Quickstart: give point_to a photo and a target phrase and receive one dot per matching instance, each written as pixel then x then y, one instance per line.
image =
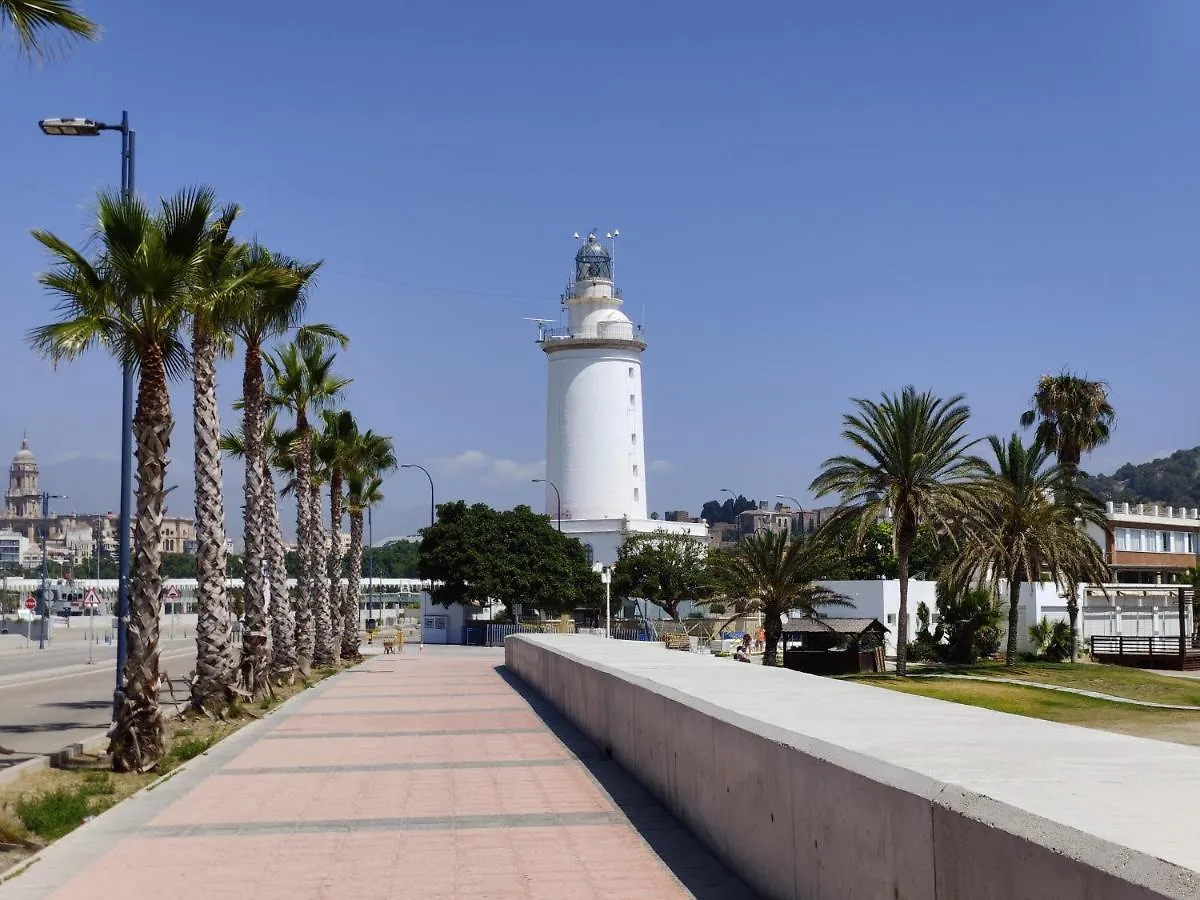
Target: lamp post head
pixel 76 127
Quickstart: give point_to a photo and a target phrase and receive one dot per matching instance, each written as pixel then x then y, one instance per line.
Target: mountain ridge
pixel 1170 480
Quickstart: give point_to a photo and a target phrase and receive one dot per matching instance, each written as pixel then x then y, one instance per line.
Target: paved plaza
pixel 429 774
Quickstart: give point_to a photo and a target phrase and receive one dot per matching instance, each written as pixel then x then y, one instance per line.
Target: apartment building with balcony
pixel 1148 543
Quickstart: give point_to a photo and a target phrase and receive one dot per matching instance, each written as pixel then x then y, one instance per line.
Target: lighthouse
pixel 595 438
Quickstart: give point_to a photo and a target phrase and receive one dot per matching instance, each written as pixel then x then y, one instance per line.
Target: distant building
pixel 679 515
pixel 70 537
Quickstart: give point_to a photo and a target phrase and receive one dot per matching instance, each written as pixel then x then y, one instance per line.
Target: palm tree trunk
pixel 353 587
pixel 255 651
pixel 774 630
pixel 336 610
pixel 305 584
pixel 212 685
pixel 318 554
pixel 905 536
pixel 1014 603
pixel 138 738
pixel 1073 616
pixel 283 620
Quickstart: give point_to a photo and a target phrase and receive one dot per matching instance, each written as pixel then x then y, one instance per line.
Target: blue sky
pixel 816 201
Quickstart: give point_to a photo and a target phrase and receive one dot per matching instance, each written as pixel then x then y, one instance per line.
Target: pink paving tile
pixel 488 863
pixel 330 796
pixel 384 749
pixel 383 724
pixel 334 703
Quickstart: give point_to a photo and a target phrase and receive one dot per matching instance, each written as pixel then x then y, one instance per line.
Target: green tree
pixel 1024 529
pixel 132 301
pixel 714 511
pixel 666 570
pixel 772 574
pixel 302 381
pixel 35 20
pixel 1072 417
pixel 515 556
pixel 396 559
pixel 913 464
pixel 371 456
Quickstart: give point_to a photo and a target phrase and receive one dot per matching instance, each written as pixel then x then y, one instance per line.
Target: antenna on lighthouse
pixel 612 236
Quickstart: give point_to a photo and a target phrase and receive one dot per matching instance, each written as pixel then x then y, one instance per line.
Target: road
pixel 50 698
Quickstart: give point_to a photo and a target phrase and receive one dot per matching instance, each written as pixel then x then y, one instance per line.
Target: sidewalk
pixel 428 775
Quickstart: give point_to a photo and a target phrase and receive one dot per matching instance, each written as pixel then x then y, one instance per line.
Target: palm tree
pixel 914 467
pixel 33 20
pixel 1024 528
pixel 370 457
pixel 132 301
pixel 219 279
pixel 280 612
pixel 272 304
pixel 772 574
pixel 302 380
pixel 325 647
pixel 1073 417
pixel 333 446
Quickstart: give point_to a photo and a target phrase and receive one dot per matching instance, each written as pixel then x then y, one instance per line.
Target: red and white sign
pixel 172 592
pixel 91 599
pixel 30 603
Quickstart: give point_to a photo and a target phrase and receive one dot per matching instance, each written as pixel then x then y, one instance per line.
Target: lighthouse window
pixel 635 493
pixel 635 469
pixel 633 438
pixel 632 400
pixel 631 371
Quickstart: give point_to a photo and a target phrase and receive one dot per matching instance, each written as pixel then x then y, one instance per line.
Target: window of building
pixel 632 400
pixel 1122 538
pixel 1190 543
pixel 633 438
pixel 636 492
pixel 591 554
pixel 635 470
pixel 631 371
pixel 1166 541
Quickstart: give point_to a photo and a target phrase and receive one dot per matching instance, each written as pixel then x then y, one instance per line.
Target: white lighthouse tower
pixel 595 442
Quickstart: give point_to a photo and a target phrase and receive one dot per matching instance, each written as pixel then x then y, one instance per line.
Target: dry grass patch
pixel 39 808
pixel 1178 726
pixel 1134 684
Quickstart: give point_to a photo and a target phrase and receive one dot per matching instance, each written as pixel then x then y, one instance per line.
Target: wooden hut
pixel 834 646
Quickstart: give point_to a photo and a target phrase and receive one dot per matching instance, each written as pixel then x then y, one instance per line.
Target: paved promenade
pixel 427 775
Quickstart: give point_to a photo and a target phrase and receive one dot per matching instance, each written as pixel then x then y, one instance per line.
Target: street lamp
pixel 556 494
pixel 432 513
pixel 46 498
pixel 799 507
pixel 371 567
pixel 89 128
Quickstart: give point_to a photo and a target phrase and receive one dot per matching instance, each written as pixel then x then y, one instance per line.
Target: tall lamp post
pixel 90 128
pixel 46 498
pixel 557 495
pixel 432 508
pixel 371 568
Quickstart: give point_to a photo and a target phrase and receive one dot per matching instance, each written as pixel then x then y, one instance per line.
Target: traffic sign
pixel 30 603
pixel 172 592
pixel 91 599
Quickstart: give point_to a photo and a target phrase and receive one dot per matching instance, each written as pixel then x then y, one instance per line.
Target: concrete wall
pixel 813 788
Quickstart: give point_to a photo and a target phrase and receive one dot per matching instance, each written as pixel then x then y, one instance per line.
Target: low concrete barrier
pixel 814 788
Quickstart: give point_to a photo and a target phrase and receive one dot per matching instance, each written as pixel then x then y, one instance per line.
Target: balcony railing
pixel 606 331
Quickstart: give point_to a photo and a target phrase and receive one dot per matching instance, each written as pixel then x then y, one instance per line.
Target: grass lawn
pixel 1178 726
pixel 39 808
pixel 1116 680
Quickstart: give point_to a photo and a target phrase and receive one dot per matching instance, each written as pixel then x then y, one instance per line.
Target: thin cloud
pixel 662 465
pixel 490 470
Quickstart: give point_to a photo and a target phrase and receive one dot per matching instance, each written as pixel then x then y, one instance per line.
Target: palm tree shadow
pixel 698 870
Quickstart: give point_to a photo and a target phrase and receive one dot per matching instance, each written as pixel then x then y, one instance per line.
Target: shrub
pixel 1052 640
